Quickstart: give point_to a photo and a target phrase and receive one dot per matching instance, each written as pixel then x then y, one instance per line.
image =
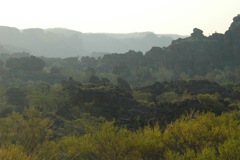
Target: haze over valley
pixel 111 87
pixel 59 42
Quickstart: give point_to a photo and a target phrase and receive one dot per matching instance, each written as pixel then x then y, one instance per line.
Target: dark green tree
pixel 25 63
pixel 123 84
pixel 16 97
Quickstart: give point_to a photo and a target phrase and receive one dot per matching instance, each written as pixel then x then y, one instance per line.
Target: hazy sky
pixel 121 16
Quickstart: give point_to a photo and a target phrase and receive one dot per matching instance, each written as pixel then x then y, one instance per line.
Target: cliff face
pixel 199 54
pixel 232 40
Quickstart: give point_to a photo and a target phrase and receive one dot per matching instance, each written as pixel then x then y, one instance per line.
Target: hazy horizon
pixel 120 33
pixel 106 16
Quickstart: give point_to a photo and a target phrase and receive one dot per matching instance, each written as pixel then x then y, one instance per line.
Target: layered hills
pixel 193 55
pixel 58 42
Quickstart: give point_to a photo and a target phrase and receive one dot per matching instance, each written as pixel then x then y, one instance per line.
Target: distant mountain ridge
pixel 59 42
pixel 193 55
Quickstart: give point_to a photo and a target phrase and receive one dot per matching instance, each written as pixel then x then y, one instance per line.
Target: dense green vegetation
pixel 34 135
pixel 177 102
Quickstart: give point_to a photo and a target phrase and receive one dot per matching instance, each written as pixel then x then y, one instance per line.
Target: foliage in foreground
pixel 30 135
